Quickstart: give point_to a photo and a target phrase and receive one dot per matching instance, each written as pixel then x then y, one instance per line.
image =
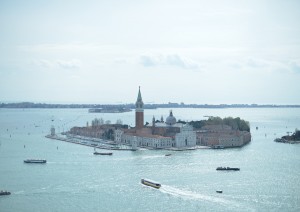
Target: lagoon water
pixel 75 180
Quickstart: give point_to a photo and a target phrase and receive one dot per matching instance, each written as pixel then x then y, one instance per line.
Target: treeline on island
pixel 294 137
pixel 235 123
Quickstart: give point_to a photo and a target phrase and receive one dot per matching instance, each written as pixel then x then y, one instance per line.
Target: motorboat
pixel 150 183
pixel 227 169
pixel 103 153
pixel 219 191
pixel 218 147
pixel 168 154
pixel 2 193
pixel 35 161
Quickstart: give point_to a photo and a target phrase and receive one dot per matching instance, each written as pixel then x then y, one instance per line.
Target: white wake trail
pixel 186 194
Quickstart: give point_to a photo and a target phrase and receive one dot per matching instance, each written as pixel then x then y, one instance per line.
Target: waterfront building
pixel 161 134
pixel 222 135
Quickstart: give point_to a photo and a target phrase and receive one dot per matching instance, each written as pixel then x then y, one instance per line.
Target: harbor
pixel 90 142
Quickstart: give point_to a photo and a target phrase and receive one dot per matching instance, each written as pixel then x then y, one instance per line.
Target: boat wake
pixel 19 192
pixel 152 157
pixel 186 194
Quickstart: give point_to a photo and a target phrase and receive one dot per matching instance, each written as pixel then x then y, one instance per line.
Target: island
pixel 169 133
pixel 290 139
pixel 109 110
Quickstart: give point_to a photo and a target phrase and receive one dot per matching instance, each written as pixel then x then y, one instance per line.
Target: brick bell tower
pixel 139 111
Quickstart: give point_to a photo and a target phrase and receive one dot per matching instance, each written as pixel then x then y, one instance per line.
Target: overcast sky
pixel 177 51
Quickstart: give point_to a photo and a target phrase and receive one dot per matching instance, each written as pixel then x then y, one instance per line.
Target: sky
pixel 192 51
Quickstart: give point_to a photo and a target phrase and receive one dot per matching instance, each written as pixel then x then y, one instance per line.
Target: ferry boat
pixel 227 169
pixel 35 161
pixel 103 153
pixel 2 193
pixel 149 183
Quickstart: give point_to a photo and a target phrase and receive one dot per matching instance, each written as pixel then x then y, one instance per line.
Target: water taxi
pixel 35 161
pixel 2 193
pixel 149 183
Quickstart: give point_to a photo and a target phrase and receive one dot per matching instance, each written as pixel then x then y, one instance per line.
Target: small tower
pixel 134 143
pixel 162 119
pixel 153 125
pixel 139 112
pixel 52 131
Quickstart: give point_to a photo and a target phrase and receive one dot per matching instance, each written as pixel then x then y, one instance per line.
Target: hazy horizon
pixel 196 52
pixel 133 102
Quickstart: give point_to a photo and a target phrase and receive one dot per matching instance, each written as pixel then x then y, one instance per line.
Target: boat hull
pixel 35 161
pixel 2 193
pixel 151 184
pixel 102 153
pixel 227 169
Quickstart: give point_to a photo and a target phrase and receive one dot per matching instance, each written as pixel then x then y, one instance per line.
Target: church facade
pixel 161 135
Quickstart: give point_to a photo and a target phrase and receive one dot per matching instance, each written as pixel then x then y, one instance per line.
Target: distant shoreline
pixel 131 106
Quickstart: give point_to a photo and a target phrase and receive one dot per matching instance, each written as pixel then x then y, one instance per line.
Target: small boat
pixel 219 191
pixel 218 147
pixel 2 193
pixel 168 154
pixel 227 169
pixel 149 183
pixel 35 161
pixel 103 153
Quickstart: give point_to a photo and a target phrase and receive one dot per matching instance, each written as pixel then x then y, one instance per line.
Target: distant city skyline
pixel 196 52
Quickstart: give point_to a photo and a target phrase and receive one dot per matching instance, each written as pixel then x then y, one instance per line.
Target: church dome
pixel 171 119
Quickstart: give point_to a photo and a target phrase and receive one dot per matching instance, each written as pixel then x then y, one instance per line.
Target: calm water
pixel 75 180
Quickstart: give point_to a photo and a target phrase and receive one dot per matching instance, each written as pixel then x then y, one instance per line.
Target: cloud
pixel 256 63
pixel 148 61
pixel 295 66
pixel 168 60
pixel 69 64
pixel 176 60
pixel 51 64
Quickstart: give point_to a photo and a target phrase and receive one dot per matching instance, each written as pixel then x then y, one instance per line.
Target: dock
pixel 90 142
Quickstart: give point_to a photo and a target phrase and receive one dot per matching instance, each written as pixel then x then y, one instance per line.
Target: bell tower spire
pixel 139 111
pixel 139 102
